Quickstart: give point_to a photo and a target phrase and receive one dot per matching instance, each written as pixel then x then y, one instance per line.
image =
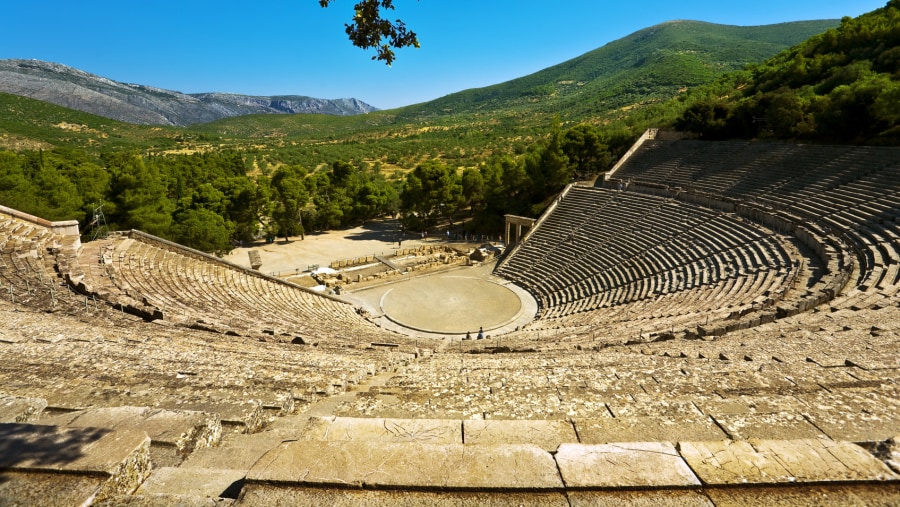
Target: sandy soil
pixel 296 255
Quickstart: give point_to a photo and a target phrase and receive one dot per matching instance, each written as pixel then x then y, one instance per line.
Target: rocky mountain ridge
pixel 133 103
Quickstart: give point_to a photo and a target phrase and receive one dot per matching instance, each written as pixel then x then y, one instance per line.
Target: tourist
pixel 480 333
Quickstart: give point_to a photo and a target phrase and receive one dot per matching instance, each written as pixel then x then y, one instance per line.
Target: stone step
pixel 193 482
pixel 236 451
pixel 20 409
pixel 242 417
pixel 373 461
pixel 51 465
pixel 164 500
pixel 413 465
pixel 772 462
pixel 547 434
pixel 377 429
pixel 340 497
pixel 174 434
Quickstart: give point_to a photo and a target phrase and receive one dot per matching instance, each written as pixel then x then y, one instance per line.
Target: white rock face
pixel 148 105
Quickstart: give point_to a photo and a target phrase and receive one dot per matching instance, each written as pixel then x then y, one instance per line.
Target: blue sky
pixel 295 47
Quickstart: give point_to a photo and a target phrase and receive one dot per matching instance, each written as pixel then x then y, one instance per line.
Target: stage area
pixel 449 304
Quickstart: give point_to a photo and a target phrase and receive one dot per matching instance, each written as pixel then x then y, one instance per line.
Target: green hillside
pixel 461 129
pixel 650 64
pixel 842 86
pixel 33 124
pixel 470 157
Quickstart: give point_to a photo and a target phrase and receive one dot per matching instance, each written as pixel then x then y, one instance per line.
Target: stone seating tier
pixel 245 381
pixel 29 254
pixel 192 290
pixel 838 186
pixel 634 248
pixel 681 367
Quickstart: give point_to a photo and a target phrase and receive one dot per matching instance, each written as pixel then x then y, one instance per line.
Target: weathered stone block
pixel 180 429
pixel 202 482
pixel 633 464
pixel 547 435
pixel 121 458
pixel 19 409
pixel 433 431
pixel 644 428
pixel 782 461
pixel 412 465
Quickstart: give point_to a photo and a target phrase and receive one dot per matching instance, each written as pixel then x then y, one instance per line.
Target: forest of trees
pixel 842 86
pixel 212 201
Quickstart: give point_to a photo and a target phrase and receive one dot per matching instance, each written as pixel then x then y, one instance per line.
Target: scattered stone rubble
pixel 360 272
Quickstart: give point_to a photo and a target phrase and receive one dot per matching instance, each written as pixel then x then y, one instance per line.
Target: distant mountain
pixel 654 63
pixel 627 79
pixel 146 105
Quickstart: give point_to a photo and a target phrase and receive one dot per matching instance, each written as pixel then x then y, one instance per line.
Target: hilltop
pixel 841 86
pixel 649 65
pixel 610 83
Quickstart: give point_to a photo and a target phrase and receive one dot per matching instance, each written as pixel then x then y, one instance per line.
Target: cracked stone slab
pixel 184 430
pixel 647 429
pixel 782 461
pixel 38 447
pixel 741 405
pixel 547 434
pixel 639 498
pixel 415 465
pixel 434 431
pixel 777 425
pixel 631 464
pixel 647 405
pixel 853 416
pixel 33 488
pixel 203 482
pixel 267 494
pixel 237 451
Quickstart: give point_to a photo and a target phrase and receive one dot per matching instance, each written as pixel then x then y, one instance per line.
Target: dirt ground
pixel 440 304
pixel 297 255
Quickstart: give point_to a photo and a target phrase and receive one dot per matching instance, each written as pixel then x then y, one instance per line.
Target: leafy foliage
pixel 481 154
pixel 370 30
pixel 840 86
pixel 432 191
